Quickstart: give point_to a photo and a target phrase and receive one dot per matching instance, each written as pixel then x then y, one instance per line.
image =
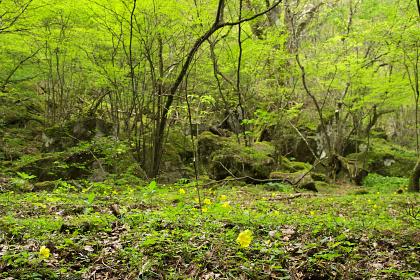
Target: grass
pixel 159 233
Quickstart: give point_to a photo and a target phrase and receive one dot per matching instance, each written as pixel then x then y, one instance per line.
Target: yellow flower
pixel 375 206
pixel 244 238
pixel 312 213
pixel 196 200
pixel 207 201
pixel 204 210
pixel 273 194
pixel 223 197
pixel 44 252
pixel 226 205
pixel 182 191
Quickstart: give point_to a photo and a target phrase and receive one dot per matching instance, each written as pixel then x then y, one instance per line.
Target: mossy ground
pixel 343 232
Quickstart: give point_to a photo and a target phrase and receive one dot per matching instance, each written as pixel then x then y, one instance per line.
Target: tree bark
pixel 413 185
pixel 218 24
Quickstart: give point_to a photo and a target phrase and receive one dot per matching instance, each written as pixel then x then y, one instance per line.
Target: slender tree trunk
pixel 218 24
pixel 413 185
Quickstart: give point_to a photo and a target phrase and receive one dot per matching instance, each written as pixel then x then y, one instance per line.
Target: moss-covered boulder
pixel 177 158
pixel 59 138
pixel 93 160
pixel 224 157
pixel 387 159
pixel 288 142
pixel 54 166
pixel 293 166
pixel 209 143
pixel 300 179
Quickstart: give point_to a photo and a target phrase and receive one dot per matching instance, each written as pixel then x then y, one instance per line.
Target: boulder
pixel 300 179
pixel 209 143
pixel 224 157
pixel 351 170
pixel 59 138
pixel 387 159
pixel 54 166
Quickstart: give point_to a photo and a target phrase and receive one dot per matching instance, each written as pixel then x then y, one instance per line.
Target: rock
pixel 224 157
pixel 351 169
pixel 293 166
pixel 289 143
pixel 177 159
pixel 208 143
pixel 60 165
pixel 300 179
pixel 59 138
pixel 387 159
pixel 44 186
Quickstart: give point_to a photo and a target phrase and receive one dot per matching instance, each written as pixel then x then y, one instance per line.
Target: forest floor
pixel 104 231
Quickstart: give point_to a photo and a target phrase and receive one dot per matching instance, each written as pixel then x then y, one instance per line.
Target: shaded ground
pixel 100 231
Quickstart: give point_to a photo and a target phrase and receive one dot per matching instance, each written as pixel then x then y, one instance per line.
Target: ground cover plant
pixel 103 231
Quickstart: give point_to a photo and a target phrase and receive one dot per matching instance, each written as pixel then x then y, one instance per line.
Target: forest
pixel 209 139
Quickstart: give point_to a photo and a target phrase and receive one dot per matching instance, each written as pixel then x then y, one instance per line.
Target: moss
pixel 289 176
pixel 44 186
pixel 225 157
pixel 387 159
pixel 177 160
pixel 261 149
pixel 319 177
pixel 208 143
pixel 293 166
pixel 240 163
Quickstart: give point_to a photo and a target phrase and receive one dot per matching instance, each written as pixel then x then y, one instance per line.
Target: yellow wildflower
pixel 204 210
pixel 223 197
pixel 226 205
pixel 312 213
pixel 207 201
pixel 244 238
pixel 182 191
pixel 196 200
pixel 44 252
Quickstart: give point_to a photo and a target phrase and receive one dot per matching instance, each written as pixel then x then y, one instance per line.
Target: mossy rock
pixel 320 177
pixel 54 166
pixel 293 166
pixel 301 179
pixel 209 143
pixel 387 159
pixel 288 142
pixel 225 157
pixel 59 138
pixel 44 186
pixel 177 159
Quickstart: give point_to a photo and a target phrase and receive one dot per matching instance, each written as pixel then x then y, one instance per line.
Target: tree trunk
pixel 414 179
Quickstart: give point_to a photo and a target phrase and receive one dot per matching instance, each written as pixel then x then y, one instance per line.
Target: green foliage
pixel 163 224
pixel 377 183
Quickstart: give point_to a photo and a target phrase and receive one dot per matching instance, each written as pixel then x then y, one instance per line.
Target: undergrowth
pixel 106 231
